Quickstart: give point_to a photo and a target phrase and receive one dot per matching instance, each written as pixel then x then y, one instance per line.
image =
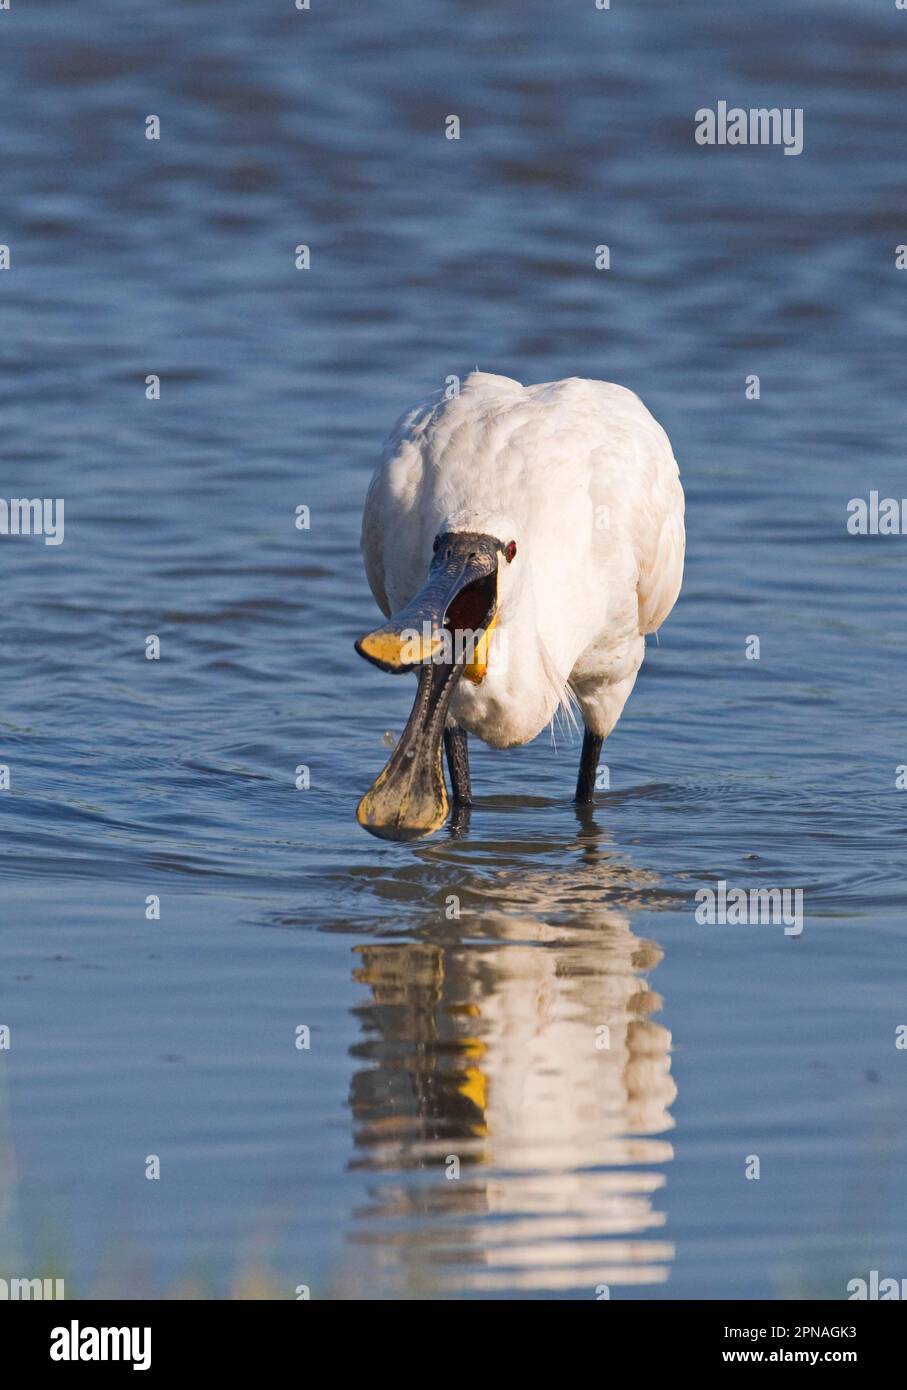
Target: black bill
pixel 438 635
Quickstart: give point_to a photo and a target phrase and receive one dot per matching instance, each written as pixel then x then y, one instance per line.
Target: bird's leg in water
pixel 457 749
pixel 588 766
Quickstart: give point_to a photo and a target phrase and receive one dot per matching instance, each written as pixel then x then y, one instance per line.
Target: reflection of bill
pixel 529 1054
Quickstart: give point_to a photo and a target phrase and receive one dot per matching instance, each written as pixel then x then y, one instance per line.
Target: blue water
pixel 435 1037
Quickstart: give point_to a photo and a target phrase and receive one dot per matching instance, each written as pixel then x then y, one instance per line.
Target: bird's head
pixel 444 633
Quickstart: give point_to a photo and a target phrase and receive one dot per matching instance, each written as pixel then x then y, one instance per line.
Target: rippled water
pixel 478 1037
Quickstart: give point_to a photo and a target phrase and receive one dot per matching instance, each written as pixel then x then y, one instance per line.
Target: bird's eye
pixel 436 542
pixel 510 551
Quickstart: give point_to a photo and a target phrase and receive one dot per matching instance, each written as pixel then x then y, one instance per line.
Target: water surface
pixel 434 1036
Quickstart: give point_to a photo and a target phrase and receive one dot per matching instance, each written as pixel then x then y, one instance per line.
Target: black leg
pixel 457 749
pixel 588 766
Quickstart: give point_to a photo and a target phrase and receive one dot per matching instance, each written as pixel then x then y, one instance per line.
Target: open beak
pixel 443 634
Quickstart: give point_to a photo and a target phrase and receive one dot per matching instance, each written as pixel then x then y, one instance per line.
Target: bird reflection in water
pixel 519 1047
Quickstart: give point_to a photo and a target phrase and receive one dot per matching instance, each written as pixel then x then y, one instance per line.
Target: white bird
pixel 525 540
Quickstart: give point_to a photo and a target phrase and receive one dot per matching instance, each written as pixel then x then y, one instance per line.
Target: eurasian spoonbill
pixel 525 540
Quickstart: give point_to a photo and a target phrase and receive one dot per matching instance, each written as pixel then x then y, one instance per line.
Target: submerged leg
pixel 457 749
pixel 588 766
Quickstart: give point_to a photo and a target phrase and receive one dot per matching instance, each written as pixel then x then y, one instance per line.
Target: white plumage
pixel 583 479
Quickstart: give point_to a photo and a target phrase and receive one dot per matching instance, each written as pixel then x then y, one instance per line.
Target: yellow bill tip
pixel 396 650
pixel 382 815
